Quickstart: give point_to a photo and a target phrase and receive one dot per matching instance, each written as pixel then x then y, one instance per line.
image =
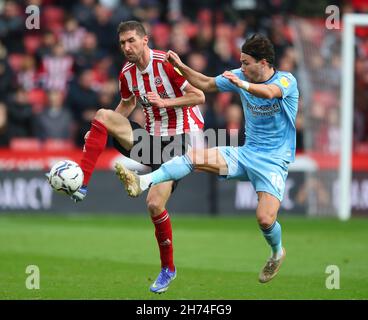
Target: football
pixel 66 176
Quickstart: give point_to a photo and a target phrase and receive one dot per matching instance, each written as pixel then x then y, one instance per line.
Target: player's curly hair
pixel 132 25
pixel 259 47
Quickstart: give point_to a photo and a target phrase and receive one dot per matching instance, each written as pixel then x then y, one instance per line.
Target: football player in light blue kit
pixel 270 103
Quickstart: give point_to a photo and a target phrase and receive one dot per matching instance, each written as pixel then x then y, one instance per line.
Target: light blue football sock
pixel 273 238
pixel 174 169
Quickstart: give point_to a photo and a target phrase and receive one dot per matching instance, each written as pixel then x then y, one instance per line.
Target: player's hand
pixel 233 78
pixel 155 100
pixel 173 58
pixel 86 135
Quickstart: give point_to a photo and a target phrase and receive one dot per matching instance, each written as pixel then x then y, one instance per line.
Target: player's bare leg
pixel 266 214
pixel 117 126
pixel 207 160
pixel 157 198
pixel 105 122
pixel 156 203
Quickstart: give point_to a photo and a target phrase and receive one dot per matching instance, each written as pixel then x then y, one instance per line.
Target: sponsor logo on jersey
pixel 264 110
pixel 284 82
pixel 163 95
pixel 158 82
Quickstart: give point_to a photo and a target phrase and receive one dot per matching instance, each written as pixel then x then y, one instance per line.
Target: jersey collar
pixel 149 66
pixel 274 74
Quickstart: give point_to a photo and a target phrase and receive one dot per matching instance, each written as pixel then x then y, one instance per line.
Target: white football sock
pixel 277 255
pixel 145 181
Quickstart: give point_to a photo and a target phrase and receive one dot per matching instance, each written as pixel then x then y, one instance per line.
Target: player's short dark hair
pixel 259 47
pixel 132 25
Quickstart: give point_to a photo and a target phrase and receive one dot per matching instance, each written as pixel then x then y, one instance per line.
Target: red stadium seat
pixel 58 144
pixel 25 144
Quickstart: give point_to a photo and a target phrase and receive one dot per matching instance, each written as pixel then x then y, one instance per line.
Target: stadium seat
pixel 25 144
pixel 58 144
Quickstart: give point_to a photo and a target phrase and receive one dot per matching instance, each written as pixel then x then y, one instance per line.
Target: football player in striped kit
pixel 169 104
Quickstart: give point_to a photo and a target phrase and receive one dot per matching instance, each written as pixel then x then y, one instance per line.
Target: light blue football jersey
pixel 270 123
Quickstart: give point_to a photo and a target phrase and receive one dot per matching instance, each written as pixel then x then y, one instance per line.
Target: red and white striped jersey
pixel 162 78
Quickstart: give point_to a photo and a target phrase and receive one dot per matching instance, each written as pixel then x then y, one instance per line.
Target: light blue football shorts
pixel 266 173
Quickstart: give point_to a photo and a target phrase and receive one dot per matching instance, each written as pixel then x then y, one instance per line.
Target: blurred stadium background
pixel 53 79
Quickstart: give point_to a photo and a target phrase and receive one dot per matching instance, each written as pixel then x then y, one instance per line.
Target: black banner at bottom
pixel 186 309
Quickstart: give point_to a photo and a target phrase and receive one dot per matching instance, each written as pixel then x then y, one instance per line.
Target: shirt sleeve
pixel 125 93
pixel 224 84
pixel 175 76
pixel 287 84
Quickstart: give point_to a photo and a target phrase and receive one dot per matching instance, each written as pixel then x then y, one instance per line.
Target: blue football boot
pixel 163 280
pixel 80 194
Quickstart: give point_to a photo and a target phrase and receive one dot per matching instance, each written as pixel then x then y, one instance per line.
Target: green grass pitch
pixel 116 257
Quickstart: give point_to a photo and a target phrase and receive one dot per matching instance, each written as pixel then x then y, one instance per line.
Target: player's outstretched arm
pixel 196 79
pixel 266 91
pixel 193 96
